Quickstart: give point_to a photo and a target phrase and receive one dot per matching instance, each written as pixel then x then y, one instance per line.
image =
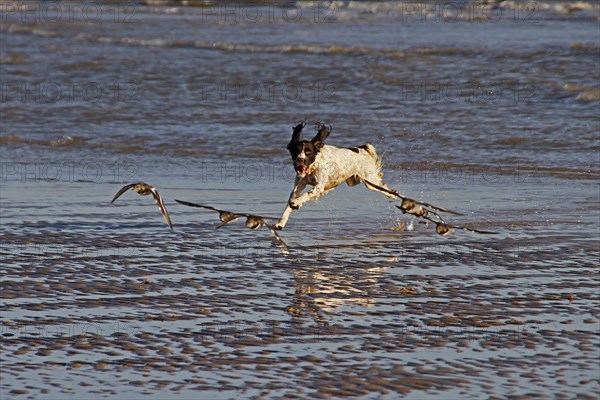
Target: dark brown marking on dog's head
pixel 323 132
pixel 354 149
pixel 304 152
pixel 297 132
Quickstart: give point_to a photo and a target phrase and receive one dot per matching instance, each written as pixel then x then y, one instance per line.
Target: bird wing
pixel 437 208
pixel 257 216
pixel 394 193
pixel 279 239
pixel 430 219
pixel 461 227
pixel 123 190
pixel 161 206
pixel 473 230
pixel 424 204
pixel 187 203
pixel 390 191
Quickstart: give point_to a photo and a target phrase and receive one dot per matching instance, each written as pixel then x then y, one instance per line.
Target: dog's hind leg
pixel 353 180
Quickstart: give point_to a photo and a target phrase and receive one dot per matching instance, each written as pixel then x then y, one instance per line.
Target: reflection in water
pixel 320 291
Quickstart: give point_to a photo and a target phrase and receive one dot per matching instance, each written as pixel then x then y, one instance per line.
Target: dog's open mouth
pixel 301 169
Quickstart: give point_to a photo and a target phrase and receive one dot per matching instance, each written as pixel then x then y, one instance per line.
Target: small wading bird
pixel 224 216
pixel 253 222
pixel 413 207
pixel 144 189
pixel 417 208
pixel 445 229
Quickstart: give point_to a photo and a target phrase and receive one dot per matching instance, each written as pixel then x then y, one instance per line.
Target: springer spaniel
pixel 326 167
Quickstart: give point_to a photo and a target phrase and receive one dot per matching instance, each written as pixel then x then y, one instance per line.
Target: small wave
pixel 184 3
pixel 498 169
pixel 33 29
pixel 135 145
pixel 244 47
pixel 248 47
pixel 461 11
pixel 395 7
pixel 512 141
pixel 10 139
pixel 64 141
pixel 567 7
pixel 287 48
pixel 585 48
pixel 169 10
pixel 13 60
pixel 584 93
pixel 394 53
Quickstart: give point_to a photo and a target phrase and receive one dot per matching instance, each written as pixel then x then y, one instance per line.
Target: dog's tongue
pixel 301 169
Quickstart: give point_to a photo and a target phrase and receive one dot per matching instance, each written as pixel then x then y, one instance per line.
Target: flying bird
pixel 445 229
pixel 256 222
pixel 411 206
pixel 253 221
pixel 145 189
pixel 224 216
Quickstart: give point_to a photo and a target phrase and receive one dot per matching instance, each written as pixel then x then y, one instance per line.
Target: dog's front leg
pixel 312 194
pixel 299 186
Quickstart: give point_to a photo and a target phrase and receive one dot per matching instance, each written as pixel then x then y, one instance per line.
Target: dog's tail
pixel 378 161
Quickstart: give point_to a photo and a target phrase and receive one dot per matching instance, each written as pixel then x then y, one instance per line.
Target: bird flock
pixel 418 209
pixel 253 221
pixel 423 210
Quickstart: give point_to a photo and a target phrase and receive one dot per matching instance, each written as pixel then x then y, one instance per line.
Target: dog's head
pixel 304 152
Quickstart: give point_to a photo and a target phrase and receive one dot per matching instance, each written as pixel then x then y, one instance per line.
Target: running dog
pixel 325 167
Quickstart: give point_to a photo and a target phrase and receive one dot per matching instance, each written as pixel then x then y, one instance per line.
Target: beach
pixel 490 110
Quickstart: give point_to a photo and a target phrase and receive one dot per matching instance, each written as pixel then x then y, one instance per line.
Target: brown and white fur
pixel 324 167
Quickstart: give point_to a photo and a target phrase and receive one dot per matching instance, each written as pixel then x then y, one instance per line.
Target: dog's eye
pixel 307 152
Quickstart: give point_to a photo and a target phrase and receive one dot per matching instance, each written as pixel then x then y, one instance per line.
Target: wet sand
pixel 125 306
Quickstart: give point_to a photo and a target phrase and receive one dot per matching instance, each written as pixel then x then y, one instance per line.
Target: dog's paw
pixel 278 226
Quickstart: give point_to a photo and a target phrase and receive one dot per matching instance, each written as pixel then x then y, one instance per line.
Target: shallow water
pixel 489 112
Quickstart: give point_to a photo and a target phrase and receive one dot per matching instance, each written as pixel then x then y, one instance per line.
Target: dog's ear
pixel 297 132
pixel 323 132
pixel 296 135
